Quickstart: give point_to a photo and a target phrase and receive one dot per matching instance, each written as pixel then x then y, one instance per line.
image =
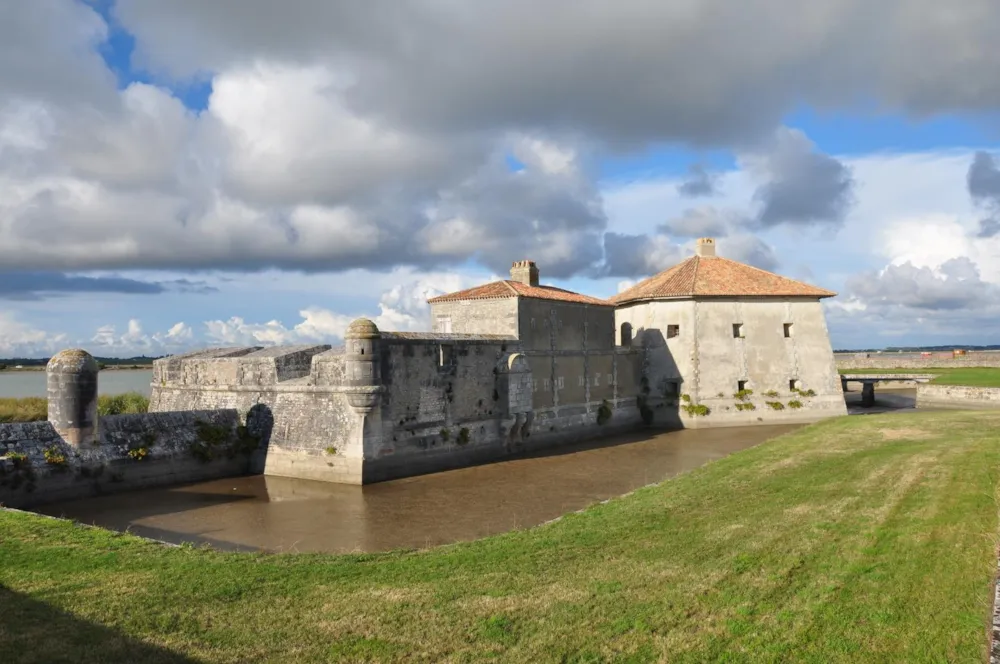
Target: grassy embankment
pixel 869 539
pixel 35 409
pixel 971 376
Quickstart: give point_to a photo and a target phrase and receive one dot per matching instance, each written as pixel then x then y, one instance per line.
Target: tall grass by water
pixel 35 409
pixel 862 539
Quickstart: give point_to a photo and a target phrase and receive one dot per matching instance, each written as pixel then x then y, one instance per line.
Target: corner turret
pixel 71 386
pixel 362 365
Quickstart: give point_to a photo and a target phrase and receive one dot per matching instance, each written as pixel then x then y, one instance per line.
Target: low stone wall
pixel 133 451
pixel 958 397
pixel 756 409
pixel 911 361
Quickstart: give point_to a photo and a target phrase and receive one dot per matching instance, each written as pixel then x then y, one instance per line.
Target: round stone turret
pixel 362 365
pixel 71 377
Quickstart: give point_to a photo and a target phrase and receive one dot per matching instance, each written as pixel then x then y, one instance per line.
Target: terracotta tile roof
pixel 507 288
pixel 711 276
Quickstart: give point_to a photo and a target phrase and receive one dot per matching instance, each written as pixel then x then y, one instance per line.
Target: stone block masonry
pixel 910 361
pixel 39 466
pixel 958 397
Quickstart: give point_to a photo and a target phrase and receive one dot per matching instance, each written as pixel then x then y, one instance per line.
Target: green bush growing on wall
pixel 771 393
pixel 55 457
pixel 696 409
pixel 463 436
pixel 604 412
pixel 741 406
pixel 775 405
pixel 795 403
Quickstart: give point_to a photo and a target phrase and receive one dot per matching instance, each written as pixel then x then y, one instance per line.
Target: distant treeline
pixel 917 349
pixel 10 362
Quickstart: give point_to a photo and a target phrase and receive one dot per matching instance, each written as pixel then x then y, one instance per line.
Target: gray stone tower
pixel 362 365
pixel 525 272
pixel 72 392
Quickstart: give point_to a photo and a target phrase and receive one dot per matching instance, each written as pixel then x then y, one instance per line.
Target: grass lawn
pixel 971 376
pixel 861 539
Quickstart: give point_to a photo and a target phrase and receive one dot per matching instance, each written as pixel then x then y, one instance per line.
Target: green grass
pixel 856 540
pixel 36 409
pixel 971 376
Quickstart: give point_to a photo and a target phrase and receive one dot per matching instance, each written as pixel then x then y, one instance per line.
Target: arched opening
pixel 626 334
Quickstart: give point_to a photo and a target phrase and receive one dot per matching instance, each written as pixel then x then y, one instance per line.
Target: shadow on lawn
pixel 32 631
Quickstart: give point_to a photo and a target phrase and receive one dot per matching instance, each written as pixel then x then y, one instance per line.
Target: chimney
pixel 705 246
pixel 525 272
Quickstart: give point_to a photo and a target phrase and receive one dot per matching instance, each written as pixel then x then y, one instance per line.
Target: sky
pixel 184 174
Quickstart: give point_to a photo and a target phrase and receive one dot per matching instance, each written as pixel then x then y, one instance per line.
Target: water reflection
pixel 280 514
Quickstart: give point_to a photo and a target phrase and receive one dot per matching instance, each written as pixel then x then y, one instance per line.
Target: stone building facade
pixel 727 344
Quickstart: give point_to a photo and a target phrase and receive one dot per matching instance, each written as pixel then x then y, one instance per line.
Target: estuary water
pixel 285 515
pixel 17 384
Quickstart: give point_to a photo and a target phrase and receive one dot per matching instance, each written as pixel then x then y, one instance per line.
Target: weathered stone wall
pixel 132 451
pixel 911 361
pixel 958 397
pixel 475 317
pixel 702 361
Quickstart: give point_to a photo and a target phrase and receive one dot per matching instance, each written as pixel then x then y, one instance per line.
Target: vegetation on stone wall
pixel 795 404
pixel 463 437
pixel 814 546
pixel 217 440
pixel 55 457
pixel 604 412
pixel 775 405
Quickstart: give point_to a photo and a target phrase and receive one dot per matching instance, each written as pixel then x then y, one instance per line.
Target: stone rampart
pixel 914 361
pixel 39 466
pixel 958 397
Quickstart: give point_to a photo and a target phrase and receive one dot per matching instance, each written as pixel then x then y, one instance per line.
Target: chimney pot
pixel 525 272
pixel 705 246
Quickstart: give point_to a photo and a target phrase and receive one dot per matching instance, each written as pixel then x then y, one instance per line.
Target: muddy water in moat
pixel 278 514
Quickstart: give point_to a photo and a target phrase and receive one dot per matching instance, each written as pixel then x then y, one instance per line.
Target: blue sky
pixel 188 174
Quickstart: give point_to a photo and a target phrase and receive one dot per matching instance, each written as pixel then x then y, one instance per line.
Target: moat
pixel 285 515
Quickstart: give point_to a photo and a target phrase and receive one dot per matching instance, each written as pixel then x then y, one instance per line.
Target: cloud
pixel 134 341
pixel 803 186
pixel 983 182
pixel 637 255
pixel 19 339
pixel 699 183
pixel 706 221
pixel 662 73
pixel 749 249
pixel 37 285
pixel 955 284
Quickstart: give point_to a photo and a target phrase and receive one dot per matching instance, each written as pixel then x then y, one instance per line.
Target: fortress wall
pixel 911 361
pixel 179 448
pixel 437 415
pixel 958 397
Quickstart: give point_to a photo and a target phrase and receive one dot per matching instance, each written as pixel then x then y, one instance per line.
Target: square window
pixel 741 385
pixel 673 331
pixel 788 330
pixel 794 384
pixel 610 379
pixel 444 324
pixel 737 330
pixel 597 379
pixel 545 383
pixel 672 389
pixel 560 382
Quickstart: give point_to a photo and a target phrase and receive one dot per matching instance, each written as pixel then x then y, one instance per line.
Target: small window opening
pixel 741 385
pixel 445 355
pixel 626 334
pixel 737 330
pixel 673 388
pixel 788 330
pixel 794 384
pixel 673 331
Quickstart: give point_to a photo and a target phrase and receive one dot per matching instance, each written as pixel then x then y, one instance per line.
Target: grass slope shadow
pixel 32 631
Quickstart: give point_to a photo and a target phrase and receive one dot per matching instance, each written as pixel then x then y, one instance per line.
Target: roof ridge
pixel 506 282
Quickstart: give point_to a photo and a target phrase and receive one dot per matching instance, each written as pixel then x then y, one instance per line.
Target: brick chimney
pixel 525 272
pixel 705 246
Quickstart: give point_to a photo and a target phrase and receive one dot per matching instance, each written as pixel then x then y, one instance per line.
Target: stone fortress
pixel 510 366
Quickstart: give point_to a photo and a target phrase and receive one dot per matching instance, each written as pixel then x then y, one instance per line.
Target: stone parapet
pixel 958 397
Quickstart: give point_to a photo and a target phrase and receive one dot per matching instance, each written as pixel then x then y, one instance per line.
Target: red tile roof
pixel 712 276
pixel 507 288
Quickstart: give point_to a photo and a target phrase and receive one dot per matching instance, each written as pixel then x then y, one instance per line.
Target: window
pixel 597 380
pixel 741 385
pixel 545 384
pixel 738 330
pixel 579 381
pixel 626 334
pixel 788 330
pixel 673 331
pixel 794 384
pixel 559 382
pixel 444 324
pixel 445 354
pixel 610 379
pixel 672 388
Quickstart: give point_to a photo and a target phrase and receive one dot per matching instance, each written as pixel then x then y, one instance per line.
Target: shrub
pixel 55 457
pixel 28 409
pixel 775 405
pixel 743 395
pixel 771 393
pixel 122 404
pixel 741 405
pixel 696 409
pixel 331 450
pixel 686 398
pixel 138 453
pixel 463 436
pixel 604 412
pixel 795 403
pixel 445 435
